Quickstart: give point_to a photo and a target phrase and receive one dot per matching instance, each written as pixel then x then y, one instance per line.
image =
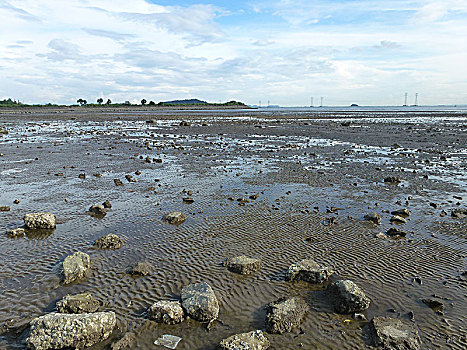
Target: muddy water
pixel 300 166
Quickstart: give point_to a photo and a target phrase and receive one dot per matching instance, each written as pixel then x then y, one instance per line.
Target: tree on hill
pixel 100 100
pixel 109 101
pixel 152 103
pixel 81 101
pixel 143 101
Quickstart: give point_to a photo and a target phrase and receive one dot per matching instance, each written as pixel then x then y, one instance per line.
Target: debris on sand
pixel 398 219
pixel 459 213
pixel 168 341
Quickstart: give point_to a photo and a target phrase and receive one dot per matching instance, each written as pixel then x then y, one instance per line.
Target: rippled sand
pixel 300 166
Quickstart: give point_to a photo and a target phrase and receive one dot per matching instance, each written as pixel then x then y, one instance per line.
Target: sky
pixel 282 51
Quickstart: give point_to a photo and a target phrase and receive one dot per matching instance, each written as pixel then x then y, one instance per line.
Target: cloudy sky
pixel 348 51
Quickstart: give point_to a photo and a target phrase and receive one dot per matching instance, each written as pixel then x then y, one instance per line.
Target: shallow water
pixel 300 171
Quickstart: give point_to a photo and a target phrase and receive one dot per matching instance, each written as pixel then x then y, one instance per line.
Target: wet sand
pixel 302 165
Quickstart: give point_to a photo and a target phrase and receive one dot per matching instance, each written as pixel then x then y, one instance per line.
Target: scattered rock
pixel 246 341
pixel 174 218
pixel 97 209
pixel 434 304
pixel 141 269
pixel 82 176
pixel 395 232
pixel 16 232
pixel 401 212
pixel 168 312
pixel 380 235
pixel 107 204
pixel 398 219
pixel 200 302
pixel 392 179
pixel 185 123
pixel 16 201
pixel 109 241
pixel 118 182
pixel 78 304
pixel 373 217
pixel 188 200
pixel 243 265
pixel 309 271
pixel 348 297
pixel 285 314
pixel 39 221
pixel 125 342
pixel 394 334
pixel 75 267
pixel 459 213
pixel 4 208
pixel 130 178
pixel 58 331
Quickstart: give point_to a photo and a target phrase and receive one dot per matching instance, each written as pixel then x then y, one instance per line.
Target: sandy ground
pixel 316 179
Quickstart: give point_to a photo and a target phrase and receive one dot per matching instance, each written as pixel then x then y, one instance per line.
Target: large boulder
pixel 174 218
pixel 348 297
pixel 246 341
pixel 109 241
pixel 168 312
pixel 243 265
pixel 285 314
pixel 200 302
pixel 78 304
pixel 309 271
pixel 58 331
pixel 75 267
pixel 394 334
pixel 39 221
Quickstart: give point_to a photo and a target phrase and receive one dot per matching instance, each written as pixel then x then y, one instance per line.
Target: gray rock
pixel 39 221
pixel 373 217
pixel 398 219
pixel 285 314
pixel 75 267
pixel 97 209
pixel 174 218
pixel 392 179
pixel 394 334
pixel 16 232
pixel 141 269
pixel 200 302
pixel 348 297
pixel 459 213
pixel 107 204
pixel 309 271
pixel 78 304
pixel 254 340
pixel 401 212
pixel 243 265
pixel 109 241
pixel 58 331
pixel 168 312
pixel 395 232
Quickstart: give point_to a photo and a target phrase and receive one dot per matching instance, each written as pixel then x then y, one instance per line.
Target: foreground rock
pixel 200 302
pixel 373 217
pixel 58 331
pixel 246 341
pixel 348 297
pixel 243 265
pixel 39 221
pixel 78 304
pixel 168 312
pixel 174 218
pixel 309 271
pixel 141 269
pixel 75 267
pixel 285 314
pixel 109 241
pixel 394 334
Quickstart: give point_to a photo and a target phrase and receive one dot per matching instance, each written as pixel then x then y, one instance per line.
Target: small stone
pixel 78 304
pixel 395 232
pixel 174 218
pixel 243 265
pixel 97 209
pixel 348 297
pixel 459 213
pixel 254 340
pixel 200 302
pixel 118 182
pixel 398 219
pixel 4 208
pixel 75 267
pixel 82 176
pixel 309 271
pixel 58 331
pixel 188 200
pixel 168 312
pixel 39 221
pixel 107 204
pixel 285 314
pixel 401 212
pixel 394 334
pixel 380 235
pixel 392 179
pixel 185 123
pixel 109 241
pixel 16 201
pixel 434 304
pixel 373 217
pixel 16 232
pixel 141 269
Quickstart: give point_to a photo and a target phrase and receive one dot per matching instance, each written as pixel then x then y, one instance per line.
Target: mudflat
pixel 279 186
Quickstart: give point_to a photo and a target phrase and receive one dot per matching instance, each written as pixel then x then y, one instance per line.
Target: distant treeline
pixel 100 102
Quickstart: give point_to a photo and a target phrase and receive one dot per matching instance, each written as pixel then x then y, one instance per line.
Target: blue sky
pixel 355 51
